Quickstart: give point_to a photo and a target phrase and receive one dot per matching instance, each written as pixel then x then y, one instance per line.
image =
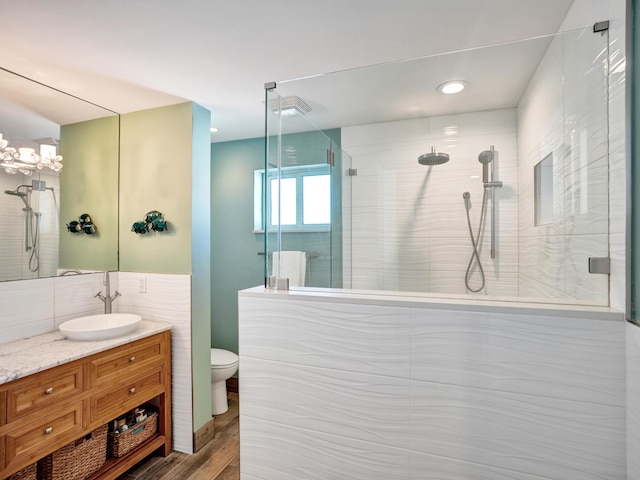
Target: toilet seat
pixel 222 358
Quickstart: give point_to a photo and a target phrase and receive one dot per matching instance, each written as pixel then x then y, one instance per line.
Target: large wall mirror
pixel 40 196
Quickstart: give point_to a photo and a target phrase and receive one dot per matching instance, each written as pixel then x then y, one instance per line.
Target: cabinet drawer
pixel 40 437
pixel 121 398
pixel 45 389
pixel 129 361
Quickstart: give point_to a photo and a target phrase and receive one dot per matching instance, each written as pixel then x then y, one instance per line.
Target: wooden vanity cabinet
pixel 42 412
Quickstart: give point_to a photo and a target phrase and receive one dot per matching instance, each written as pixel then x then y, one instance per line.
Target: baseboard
pixel 232 385
pixel 203 436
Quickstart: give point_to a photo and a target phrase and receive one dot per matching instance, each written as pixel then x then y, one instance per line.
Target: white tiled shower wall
pixel 381 389
pixel 32 307
pixel 13 258
pixel 408 222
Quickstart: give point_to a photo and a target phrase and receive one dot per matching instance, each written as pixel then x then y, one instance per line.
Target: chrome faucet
pixel 107 298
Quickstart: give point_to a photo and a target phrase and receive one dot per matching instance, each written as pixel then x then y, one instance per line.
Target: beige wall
pixel 155 174
pixel 165 165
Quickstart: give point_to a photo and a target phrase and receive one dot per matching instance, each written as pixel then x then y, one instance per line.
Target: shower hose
pixel 475 241
pixel 34 258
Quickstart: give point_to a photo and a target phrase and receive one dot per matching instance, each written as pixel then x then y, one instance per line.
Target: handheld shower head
pixel 485 158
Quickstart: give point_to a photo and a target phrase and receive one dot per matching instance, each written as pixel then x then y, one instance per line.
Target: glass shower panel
pixel 586 163
pixel 302 198
pixel 439 195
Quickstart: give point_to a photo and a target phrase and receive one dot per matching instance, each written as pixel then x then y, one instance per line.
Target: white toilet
pixel 223 365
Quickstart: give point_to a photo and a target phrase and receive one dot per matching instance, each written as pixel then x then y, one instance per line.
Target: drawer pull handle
pixel 49 430
pixel 49 391
pixel 132 390
pixel 132 359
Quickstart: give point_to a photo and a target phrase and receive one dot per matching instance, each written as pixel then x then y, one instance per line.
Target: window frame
pixel 297 172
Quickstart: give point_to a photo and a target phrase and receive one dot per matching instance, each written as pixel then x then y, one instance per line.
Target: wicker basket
pixel 27 473
pixel 76 461
pixel 122 443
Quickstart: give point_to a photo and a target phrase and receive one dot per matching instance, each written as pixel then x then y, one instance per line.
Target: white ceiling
pixel 138 54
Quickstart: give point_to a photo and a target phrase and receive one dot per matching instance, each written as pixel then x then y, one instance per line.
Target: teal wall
pixel 235 263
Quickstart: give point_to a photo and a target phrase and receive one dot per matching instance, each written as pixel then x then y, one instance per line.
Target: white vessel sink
pixel 100 327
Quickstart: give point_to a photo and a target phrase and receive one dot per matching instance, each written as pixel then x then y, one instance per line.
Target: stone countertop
pixel 30 355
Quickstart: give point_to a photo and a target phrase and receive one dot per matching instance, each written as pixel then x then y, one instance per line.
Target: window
pixel 303 192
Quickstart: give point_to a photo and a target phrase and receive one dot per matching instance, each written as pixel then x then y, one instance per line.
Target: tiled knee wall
pixel 348 390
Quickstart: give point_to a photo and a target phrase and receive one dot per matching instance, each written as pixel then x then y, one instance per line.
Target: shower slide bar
pixel 490 182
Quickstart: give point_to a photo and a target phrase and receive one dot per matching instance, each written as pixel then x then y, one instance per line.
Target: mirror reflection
pixel 58 161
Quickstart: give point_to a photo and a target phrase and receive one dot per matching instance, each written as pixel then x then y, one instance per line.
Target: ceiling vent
pixel 287 106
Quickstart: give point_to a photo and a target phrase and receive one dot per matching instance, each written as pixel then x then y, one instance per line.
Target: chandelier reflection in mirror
pixel 25 160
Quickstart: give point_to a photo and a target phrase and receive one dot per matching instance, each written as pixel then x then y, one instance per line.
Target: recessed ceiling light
pixel 454 86
pixel 213 129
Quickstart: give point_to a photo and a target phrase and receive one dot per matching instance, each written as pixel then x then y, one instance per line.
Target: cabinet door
pixel 128 361
pixel 32 440
pixel 44 389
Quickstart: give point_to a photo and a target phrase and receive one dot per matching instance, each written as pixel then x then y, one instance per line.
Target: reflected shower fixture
pixel 288 106
pixel 433 158
pixel 25 160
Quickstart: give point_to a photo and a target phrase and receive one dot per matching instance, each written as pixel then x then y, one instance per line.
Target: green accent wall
pixel 235 263
pixel 155 174
pixel 89 184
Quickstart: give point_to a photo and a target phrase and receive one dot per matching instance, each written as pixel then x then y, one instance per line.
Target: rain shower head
pixel 433 158
pixel 23 196
pixel 15 192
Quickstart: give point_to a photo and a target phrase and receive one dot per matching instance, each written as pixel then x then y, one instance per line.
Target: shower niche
pixel 543 191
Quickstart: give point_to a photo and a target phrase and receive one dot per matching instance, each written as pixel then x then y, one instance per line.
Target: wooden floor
pixel 218 460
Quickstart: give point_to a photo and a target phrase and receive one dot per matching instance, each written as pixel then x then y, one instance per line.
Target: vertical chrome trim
pixel 630 105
